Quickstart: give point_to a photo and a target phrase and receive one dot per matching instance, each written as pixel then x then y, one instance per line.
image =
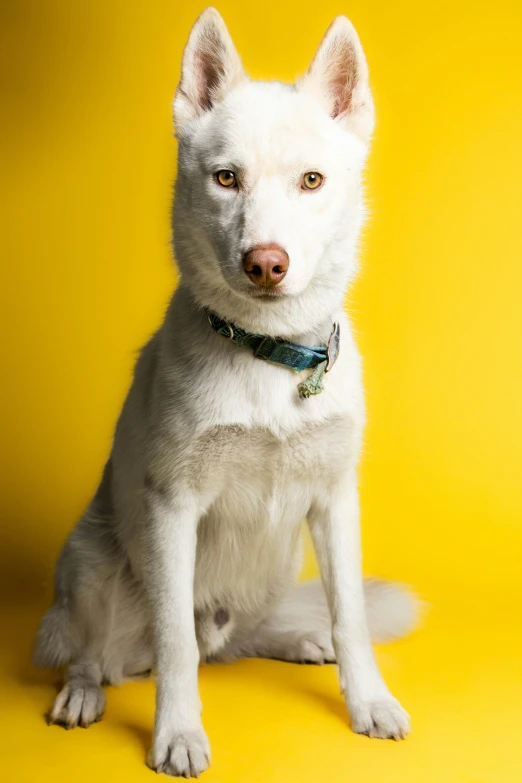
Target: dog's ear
pixel 338 76
pixel 209 68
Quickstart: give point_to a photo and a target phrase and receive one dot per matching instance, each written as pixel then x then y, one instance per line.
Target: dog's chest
pixel 257 456
pixel 262 485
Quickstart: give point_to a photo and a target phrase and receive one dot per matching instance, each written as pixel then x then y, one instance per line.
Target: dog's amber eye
pixel 312 180
pixel 226 179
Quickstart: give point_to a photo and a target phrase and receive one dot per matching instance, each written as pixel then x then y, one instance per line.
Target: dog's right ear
pixel 210 67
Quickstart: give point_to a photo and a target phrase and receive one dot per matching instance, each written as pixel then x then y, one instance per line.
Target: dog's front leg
pixel 334 525
pixel 180 746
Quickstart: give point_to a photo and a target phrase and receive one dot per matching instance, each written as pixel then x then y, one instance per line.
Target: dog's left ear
pixel 210 67
pixel 338 76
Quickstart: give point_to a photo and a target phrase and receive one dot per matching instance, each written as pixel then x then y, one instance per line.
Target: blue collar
pixel 275 349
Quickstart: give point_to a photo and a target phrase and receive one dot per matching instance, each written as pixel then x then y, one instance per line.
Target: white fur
pixel 191 546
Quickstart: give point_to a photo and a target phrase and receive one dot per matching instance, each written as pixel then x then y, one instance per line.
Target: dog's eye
pixel 312 180
pixel 227 179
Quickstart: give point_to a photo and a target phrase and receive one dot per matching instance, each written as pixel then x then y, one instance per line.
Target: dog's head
pixel 268 199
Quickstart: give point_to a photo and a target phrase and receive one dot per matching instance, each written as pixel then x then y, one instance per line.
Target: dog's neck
pixel 299 319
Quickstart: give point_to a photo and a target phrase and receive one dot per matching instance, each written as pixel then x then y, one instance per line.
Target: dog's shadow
pixel 20 620
pixel 280 677
pixel 140 732
pixel 274 677
pixel 44 684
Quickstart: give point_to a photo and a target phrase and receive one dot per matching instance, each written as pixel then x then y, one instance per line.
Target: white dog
pixel 241 420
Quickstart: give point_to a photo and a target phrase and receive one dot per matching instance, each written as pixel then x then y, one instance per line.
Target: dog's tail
pixel 391 609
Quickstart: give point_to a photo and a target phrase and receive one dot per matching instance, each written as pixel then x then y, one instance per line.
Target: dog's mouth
pixel 266 294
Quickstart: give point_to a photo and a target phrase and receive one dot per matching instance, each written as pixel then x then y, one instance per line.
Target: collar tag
pixel 332 350
pixel 319 358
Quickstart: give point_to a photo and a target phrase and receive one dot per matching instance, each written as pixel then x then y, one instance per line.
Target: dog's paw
pixel 384 719
pixel 186 754
pixel 78 704
pixel 310 647
pixel 315 647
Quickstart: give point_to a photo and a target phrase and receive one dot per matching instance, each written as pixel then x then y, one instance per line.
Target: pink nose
pixel 266 265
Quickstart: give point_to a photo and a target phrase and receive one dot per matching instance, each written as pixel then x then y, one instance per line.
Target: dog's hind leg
pixel 82 699
pixel 97 626
pixel 299 629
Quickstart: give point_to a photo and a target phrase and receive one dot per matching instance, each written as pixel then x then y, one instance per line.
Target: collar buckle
pixel 230 335
pixel 259 346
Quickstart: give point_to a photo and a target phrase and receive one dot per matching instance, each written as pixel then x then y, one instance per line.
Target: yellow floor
pixel 271 722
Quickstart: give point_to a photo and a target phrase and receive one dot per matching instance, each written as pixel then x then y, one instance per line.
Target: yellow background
pixel 88 161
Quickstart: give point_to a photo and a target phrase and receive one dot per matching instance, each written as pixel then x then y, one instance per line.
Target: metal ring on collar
pixel 230 334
